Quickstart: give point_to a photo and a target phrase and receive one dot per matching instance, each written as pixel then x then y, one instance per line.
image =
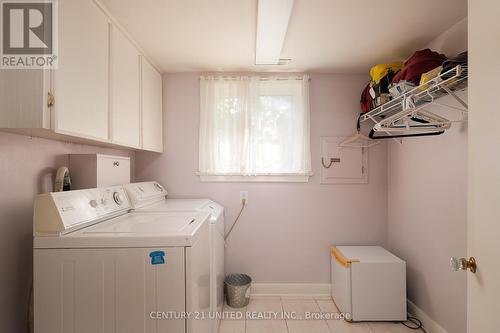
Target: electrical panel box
pixel 341 165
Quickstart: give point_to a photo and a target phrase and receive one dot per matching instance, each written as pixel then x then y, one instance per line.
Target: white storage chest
pixel 368 283
pixel 98 170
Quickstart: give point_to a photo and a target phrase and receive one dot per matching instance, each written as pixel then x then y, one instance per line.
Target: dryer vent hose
pixel 63 180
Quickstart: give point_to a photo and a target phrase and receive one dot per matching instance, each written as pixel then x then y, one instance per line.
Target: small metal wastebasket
pixel 237 290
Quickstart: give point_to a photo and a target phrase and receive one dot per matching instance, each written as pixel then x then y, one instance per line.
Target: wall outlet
pixel 244 197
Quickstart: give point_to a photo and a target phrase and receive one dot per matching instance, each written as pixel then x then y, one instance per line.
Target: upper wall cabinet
pixel 80 84
pixel 152 124
pixel 103 92
pixel 125 90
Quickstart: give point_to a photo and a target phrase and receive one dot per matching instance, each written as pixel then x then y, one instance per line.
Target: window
pixel 254 128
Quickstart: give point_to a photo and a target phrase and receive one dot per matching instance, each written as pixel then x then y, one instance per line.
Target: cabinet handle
pixel 116 163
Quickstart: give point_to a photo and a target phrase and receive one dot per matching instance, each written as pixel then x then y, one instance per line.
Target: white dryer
pixel 151 197
pixel 99 268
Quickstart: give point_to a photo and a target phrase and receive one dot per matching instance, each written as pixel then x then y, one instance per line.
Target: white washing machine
pixel 151 197
pixel 99 268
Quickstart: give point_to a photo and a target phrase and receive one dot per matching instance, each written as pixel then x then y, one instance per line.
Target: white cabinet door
pixel 125 90
pixel 81 82
pixel 152 117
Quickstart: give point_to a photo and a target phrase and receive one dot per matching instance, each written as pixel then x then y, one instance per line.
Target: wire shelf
pixel 444 84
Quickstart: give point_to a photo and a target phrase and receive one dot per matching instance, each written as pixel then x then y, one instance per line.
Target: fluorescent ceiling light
pixel 272 23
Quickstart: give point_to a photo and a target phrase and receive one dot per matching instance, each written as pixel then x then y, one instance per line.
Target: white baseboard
pixel 290 289
pixel 427 322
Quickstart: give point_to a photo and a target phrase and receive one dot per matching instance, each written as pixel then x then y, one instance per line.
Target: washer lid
pixel 185 204
pixel 191 205
pixel 134 230
pixel 137 224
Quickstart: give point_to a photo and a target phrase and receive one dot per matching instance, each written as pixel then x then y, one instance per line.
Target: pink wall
pixel 286 230
pixel 27 167
pixel 427 208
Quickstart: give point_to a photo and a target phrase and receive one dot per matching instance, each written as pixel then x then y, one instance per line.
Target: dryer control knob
pixel 93 203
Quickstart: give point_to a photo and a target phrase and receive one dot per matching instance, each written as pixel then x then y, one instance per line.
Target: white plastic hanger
pixel 413 121
pixel 358 140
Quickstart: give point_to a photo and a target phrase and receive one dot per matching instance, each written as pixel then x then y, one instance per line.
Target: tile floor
pixel 240 323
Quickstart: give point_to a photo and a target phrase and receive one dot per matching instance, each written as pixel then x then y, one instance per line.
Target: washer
pixel 100 268
pixel 151 197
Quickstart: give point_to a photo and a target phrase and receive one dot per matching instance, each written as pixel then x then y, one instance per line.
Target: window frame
pixel 298 177
pixel 291 178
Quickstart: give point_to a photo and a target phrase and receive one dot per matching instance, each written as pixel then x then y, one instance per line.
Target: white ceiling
pixel 342 36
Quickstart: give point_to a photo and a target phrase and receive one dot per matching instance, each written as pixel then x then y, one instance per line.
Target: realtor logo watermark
pixel 29 34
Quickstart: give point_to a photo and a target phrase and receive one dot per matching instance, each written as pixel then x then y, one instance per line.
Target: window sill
pixel 255 179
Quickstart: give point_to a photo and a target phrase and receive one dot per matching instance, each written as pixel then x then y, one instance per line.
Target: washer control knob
pixel 117 198
pixel 93 203
pixel 158 187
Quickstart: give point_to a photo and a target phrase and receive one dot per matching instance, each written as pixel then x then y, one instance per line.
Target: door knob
pixel 462 264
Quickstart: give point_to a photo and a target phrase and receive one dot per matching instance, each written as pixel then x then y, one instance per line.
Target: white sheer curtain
pixel 254 126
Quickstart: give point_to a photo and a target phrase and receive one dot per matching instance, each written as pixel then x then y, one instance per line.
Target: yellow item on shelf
pixel 379 71
pixel 427 76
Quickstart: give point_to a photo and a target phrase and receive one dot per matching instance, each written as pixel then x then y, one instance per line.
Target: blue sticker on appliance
pixel 157 257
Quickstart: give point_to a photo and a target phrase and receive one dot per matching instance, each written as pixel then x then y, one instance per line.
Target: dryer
pixel 152 197
pixel 100 268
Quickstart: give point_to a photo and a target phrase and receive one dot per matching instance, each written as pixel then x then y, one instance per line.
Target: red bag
pixel 420 62
pixel 366 99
